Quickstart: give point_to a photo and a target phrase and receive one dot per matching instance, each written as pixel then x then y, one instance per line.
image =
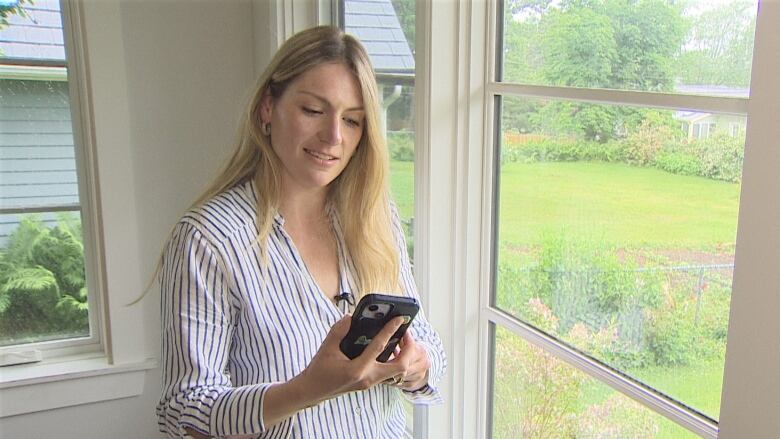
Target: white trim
pixel 46 386
pixel 751 388
pixel 33 73
pixel 87 182
pixel 422 181
pixel 672 101
pixel 86 166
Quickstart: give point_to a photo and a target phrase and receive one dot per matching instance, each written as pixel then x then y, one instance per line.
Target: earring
pixel 266 129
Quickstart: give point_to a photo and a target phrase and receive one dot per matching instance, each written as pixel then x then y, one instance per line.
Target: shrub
pixel 646 141
pixel 678 163
pixel 42 284
pixel 401 145
pixel 721 156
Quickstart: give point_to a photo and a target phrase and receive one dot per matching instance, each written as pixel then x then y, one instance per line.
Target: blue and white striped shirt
pixel 233 326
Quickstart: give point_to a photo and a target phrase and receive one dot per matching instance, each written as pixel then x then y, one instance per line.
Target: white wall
pixel 168 81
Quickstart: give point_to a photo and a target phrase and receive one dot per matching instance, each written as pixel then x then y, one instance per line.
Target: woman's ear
pixel 266 107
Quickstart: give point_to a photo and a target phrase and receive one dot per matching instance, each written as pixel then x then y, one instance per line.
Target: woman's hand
pixel 414 359
pixel 331 373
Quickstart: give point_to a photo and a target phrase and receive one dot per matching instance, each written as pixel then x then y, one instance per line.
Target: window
pixel 614 233
pixel 47 300
pixel 387 30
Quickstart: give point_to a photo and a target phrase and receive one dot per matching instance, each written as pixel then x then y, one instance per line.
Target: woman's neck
pixel 303 208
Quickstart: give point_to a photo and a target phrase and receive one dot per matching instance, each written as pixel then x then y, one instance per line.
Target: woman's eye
pixel 311 111
pixel 352 122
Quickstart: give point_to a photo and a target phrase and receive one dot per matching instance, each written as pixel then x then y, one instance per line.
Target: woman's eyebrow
pixel 327 102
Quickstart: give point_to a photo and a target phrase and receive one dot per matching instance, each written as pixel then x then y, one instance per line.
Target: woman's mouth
pixel 320 155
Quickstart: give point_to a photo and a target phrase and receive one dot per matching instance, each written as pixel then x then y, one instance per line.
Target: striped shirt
pixel 233 326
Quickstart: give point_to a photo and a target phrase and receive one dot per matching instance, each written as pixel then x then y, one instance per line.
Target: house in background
pixel 702 125
pixel 37 154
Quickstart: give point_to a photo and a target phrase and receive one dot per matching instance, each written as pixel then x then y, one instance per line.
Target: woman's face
pixel 316 125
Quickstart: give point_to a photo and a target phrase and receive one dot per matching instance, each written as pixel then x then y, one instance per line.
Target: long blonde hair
pixel 359 194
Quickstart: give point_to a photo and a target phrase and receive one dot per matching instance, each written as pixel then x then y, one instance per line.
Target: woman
pixel 253 276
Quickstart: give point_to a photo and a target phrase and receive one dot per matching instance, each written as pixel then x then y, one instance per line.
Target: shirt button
pixel 357 410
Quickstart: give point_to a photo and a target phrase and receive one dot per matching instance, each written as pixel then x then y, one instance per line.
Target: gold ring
pixel 398 380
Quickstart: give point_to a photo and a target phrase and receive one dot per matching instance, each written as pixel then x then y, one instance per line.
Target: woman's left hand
pixel 415 359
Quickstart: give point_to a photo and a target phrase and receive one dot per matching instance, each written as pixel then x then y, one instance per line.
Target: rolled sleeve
pixel 422 331
pixel 198 325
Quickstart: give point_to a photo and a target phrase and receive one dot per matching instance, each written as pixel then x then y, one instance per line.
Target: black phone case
pixel 363 330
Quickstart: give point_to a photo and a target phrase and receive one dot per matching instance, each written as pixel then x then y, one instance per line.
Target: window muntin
pixel 44 283
pixel 697 47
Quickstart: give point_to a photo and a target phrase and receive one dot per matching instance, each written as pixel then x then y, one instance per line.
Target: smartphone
pixel 371 314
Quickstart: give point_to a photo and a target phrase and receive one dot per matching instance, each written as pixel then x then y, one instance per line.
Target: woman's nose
pixel 331 131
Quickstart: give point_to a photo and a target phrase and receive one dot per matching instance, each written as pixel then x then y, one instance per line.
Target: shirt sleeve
pixel 422 331
pixel 197 327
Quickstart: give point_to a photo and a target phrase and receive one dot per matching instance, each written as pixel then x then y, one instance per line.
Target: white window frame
pixel 70 71
pixel 455 222
pixel 116 366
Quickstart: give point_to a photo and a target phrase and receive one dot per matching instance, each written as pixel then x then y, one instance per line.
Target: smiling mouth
pixel 320 155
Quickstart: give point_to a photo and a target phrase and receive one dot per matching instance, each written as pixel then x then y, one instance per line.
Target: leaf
pixel 30 280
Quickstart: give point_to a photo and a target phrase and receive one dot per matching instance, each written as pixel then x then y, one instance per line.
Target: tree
pixel 620 44
pixel 405 11
pixel 719 47
pixel 16 7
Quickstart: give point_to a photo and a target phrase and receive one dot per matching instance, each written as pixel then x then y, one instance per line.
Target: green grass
pixel 402 187
pixel 616 204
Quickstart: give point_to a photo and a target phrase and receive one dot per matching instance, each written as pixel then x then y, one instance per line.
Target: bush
pixel 401 145
pixel 721 156
pixel 678 163
pixel 42 283
pixel 550 149
pixel 646 141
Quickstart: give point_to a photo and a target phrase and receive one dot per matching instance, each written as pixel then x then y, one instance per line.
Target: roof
pixel 707 90
pixel 375 23
pixel 37 36
pixel 713 90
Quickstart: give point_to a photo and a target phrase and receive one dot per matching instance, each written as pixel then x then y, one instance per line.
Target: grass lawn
pixel 402 187
pixel 618 204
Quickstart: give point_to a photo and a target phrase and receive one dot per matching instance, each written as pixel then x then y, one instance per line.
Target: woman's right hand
pixel 331 373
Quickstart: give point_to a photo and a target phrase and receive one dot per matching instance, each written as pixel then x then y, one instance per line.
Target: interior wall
pixel 168 82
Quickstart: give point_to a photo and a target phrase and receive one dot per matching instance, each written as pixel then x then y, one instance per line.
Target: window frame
pixel 492 316
pixel 71 70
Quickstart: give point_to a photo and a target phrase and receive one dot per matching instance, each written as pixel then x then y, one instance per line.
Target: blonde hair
pixel 359 194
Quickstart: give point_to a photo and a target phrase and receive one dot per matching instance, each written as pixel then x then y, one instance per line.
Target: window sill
pixel 68 382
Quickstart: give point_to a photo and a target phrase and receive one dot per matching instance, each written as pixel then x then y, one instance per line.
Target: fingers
pixel 379 342
pixel 338 331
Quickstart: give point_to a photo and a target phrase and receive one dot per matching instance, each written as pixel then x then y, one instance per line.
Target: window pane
pixel 538 396
pixel 43 291
pixel 696 47
pixel 619 229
